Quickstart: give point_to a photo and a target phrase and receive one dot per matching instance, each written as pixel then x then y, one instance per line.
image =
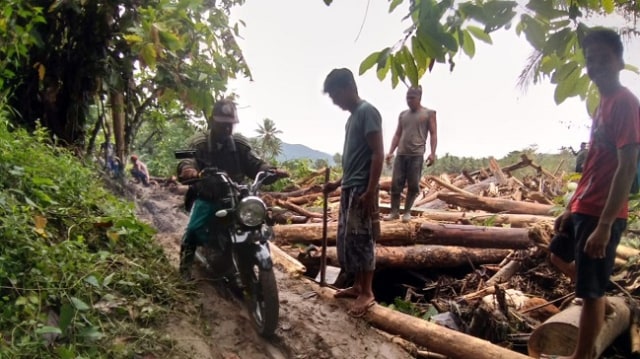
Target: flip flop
pixel 363 311
pixel 344 293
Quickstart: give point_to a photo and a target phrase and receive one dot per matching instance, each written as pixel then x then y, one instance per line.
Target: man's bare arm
pixel 433 138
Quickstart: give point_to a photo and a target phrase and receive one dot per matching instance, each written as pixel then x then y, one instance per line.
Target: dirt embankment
pixel 310 326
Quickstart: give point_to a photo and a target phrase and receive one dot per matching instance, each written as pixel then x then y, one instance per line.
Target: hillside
pixel 298 151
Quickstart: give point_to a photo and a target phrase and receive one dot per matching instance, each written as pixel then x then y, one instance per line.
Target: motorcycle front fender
pixel 262 256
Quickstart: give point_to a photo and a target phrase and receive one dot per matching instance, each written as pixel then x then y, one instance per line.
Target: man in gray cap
pixel 227 151
pixel 414 126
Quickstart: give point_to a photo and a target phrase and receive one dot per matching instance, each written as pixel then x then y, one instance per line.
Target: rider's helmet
pixel 224 111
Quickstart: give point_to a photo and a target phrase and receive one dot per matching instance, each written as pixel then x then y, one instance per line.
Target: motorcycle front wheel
pixel 262 301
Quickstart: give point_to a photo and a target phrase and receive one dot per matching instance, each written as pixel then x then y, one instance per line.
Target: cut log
pixel 494 167
pixel 625 252
pixel 514 220
pixel 298 209
pixel 288 263
pixel 473 236
pixel 311 233
pixel 421 256
pixel 495 205
pixel 450 343
pixel 559 334
pixel 505 273
pixel 448 186
pixel 634 330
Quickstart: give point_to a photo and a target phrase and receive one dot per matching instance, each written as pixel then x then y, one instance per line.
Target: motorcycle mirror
pixel 222 213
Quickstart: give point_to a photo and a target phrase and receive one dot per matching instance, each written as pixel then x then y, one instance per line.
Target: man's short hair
pixel 339 79
pixel 605 36
pixel 416 90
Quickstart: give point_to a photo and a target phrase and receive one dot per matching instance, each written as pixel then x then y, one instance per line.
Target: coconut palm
pixel 270 144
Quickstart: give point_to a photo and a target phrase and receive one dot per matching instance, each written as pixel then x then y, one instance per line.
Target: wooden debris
pixel 559 334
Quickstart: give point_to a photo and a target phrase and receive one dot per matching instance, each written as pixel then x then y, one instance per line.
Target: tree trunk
pixel 496 204
pixel 473 236
pixel 117 111
pixel 288 263
pixel 390 232
pixel 452 344
pixel 514 220
pixel 559 334
pixel 421 256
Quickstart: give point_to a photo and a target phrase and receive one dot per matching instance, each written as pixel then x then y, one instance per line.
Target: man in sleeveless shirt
pixel 414 126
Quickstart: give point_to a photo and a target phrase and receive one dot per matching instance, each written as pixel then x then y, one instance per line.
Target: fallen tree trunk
pixel 311 233
pixel 496 204
pixel 450 343
pixel 514 220
pixel 420 257
pixel 559 334
pixel 298 209
pixel 473 236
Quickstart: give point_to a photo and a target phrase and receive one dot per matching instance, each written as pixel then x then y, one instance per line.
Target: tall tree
pixel 145 54
pixel 441 29
pixel 270 144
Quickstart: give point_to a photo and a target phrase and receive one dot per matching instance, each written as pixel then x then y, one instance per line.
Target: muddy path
pixel 310 326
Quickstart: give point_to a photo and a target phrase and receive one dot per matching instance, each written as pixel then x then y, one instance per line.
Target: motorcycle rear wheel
pixel 263 302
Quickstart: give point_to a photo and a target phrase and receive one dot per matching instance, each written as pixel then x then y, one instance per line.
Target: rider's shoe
pixel 187 256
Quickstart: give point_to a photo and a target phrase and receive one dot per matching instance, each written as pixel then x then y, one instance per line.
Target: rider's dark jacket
pixel 234 156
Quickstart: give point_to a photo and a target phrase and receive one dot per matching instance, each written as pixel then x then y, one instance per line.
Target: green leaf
pixel 468 45
pixel 632 68
pixel 48 330
pixel 107 280
pixel 149 55
pixel 93 281
pixel 79 304
pixel 384 69
pixel 593 99
pixel 608 6
pixel 67 312
pixel 566 87
pixel 534 31
pixel 546 9
pixel 394 4
pixel 368 63
pixel 170 40
pixel 479 34
pixel 91 333
pixel 410 67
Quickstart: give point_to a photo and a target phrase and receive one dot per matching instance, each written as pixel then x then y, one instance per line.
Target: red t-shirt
pixel 616 124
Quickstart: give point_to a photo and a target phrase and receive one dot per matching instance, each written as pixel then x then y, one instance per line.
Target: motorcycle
pixel 238 245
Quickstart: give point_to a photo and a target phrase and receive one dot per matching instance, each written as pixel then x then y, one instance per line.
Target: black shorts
pixel 563 244
pixel 592 274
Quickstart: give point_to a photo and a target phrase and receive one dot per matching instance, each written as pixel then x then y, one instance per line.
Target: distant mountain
pixel 298 151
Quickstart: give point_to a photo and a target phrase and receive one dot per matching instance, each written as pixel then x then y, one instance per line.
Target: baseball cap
pixel 224 111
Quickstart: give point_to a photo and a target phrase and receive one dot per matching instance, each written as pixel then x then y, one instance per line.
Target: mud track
pixel 310 326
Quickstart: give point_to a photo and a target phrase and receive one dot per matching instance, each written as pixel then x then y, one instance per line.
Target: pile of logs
pixel 486 218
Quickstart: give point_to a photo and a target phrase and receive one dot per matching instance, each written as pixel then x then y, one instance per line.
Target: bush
pixel 80 276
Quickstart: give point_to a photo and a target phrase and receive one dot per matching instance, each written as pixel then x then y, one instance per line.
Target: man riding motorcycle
pixel 229 152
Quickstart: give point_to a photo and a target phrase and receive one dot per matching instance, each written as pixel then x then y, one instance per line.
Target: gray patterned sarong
pixel 357 233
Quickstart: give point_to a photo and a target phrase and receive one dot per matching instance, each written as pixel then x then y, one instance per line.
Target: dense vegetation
pixel 80 276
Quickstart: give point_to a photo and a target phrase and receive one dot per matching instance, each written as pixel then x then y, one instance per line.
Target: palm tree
pixel 270 144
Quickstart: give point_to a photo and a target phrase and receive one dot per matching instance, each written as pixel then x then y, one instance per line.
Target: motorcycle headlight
pixel 251 211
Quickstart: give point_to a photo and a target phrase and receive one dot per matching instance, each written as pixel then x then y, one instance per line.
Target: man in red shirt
pixel 599 208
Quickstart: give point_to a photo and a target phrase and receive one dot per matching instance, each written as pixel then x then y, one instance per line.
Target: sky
pixel 291 45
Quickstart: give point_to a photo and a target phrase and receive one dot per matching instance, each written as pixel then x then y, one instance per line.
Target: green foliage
pixel 440 29
pixel 156 54
pixel 156 142
pixel 413 309
pixel 268 144
pixel 79 275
